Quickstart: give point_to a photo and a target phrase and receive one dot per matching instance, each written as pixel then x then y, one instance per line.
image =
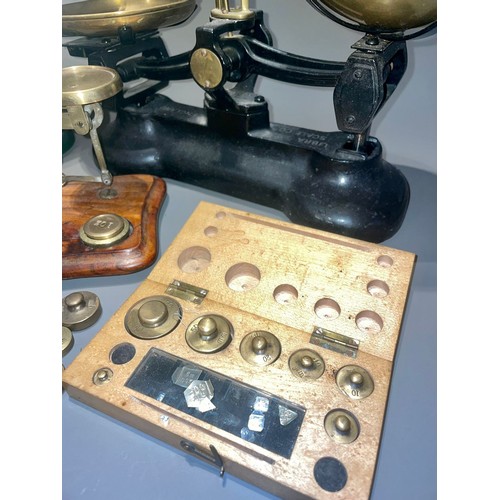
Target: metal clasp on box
pixel 187 292
pixel 335 342
pixel 214 458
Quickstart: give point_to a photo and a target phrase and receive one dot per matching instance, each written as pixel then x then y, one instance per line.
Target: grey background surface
pixel 104 459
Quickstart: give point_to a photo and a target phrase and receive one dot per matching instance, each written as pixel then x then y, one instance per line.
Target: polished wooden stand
pixel 136 198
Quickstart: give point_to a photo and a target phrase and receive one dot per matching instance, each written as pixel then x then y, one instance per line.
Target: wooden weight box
pixel 260 346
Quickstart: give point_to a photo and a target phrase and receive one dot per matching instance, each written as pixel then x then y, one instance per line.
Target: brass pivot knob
pixel 206 68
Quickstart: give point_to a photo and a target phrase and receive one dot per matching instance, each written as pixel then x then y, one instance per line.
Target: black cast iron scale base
pixel 316 179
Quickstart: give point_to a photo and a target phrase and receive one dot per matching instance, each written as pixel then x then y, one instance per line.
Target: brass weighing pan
pixel 386 14
pixel 105 17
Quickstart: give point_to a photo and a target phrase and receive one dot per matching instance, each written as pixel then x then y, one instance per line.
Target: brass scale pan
pixel 105 17
pixel 386 15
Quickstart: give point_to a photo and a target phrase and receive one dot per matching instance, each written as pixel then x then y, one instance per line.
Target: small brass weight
pixel 83 89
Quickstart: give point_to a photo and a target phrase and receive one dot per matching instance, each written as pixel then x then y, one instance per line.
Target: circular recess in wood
pixel 378 288
pixel 194 259
pixel 369 322
pixel 327 308
pixel 122 353
pixel 385 261
pixel 220 215
pixel 242 277
pixel 285 294
pixel 211 231
pixel 330 474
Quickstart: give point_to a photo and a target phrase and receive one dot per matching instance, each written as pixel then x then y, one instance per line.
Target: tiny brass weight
pixel 102 376
pixel 306 364
pixel 342 426
pixel 355 382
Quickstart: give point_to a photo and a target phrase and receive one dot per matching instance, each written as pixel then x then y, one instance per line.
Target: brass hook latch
pixel 214 458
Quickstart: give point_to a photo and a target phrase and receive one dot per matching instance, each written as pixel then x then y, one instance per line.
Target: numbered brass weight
pixel 209 334
pixel 342 426
pixel 306 364
pixel 355 382
pixel 105 230
pixel 153 317
pixel 260 348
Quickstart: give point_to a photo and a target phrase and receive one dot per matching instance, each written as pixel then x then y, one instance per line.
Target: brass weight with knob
pixel 342 426
pixel 260 348
pixel 355 382
pixel 209 334
pixel 153 317
pixel 306 364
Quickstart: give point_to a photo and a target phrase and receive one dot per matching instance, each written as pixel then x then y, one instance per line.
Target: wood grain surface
pixel 220 249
